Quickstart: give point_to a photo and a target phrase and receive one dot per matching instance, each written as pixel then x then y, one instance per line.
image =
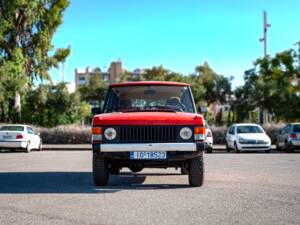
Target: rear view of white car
pixel 247 137
pixel 19 137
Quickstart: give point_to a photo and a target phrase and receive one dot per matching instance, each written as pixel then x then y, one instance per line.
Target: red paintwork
pixel 139 83
pixel 148 118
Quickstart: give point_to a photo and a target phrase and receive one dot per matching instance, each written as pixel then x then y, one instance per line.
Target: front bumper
pixel 149 147
pixel 13 144
pixel 175 151
pixel 254 147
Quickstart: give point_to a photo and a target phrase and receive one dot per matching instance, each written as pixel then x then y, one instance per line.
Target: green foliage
pixel 26 53
pixel 269 86
pixel 52 105
pixel 96 90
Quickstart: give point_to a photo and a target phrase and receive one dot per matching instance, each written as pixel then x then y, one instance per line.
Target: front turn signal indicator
pixel 199 133
pixel 96 134
pixel 96 130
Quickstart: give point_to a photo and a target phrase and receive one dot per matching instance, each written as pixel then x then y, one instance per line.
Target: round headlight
pixel 186 133
pixel 110 133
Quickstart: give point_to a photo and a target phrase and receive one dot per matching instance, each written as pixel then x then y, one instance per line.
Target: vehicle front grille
pixel 147 134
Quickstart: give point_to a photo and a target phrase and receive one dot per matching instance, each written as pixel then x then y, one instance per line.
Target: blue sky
pixel 179 34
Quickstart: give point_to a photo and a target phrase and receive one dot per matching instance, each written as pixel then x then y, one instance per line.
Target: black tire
pixel 136 169
pixel 288 148
pixel 40 146
pixel 114 171
pixel 236 149
pixel 100 170
pixel 277 146
pixel 268 151
pixel 27 149
pixel 209 150
pixel 196 171
pixel 227 147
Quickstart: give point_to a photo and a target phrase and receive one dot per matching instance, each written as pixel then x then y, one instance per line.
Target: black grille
pixel 147 134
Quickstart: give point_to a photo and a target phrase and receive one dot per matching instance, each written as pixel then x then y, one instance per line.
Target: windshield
pixel 149 98
pixel 12 128
pixel 248 129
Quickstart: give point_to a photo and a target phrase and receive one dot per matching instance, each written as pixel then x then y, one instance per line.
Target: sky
pixel 178 34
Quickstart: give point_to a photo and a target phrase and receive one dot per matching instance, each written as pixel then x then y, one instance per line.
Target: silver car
pixel 288 138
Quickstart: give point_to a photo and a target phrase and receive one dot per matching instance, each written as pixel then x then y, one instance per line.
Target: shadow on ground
pixel 74 183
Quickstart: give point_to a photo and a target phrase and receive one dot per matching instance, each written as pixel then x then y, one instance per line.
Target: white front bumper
pixel 13 144
pixel 254 147
pixel 149 147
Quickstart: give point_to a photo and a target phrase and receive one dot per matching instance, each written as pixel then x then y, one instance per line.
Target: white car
pixel 247 137
pixel 209 139
pixel 19 137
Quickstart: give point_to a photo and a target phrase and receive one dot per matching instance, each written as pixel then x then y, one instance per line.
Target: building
pixel 113 75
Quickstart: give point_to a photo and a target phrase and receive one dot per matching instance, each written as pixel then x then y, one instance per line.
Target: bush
pixel 66 134
pixel 75 134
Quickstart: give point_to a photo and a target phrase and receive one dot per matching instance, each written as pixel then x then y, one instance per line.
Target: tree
pixel 96 90
pixel 269 85
pixel 26 30
pixel 50 106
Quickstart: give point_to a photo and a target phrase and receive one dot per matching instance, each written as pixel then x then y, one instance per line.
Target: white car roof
pixel 246 124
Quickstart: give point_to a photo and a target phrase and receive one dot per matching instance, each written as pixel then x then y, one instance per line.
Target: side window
pixel 30 130
pixel 231 130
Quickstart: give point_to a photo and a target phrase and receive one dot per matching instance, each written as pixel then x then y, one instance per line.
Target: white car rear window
pixel 12 128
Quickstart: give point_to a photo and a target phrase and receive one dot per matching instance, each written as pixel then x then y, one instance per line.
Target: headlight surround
pixel 186 133
pixel 110 133
pixel 243 141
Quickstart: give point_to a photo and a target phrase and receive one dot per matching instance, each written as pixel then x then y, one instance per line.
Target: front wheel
pixel 209 150
pixel 40 148
pixel 100 170
pixel 236 149
pixel 196 171
pixel 227 147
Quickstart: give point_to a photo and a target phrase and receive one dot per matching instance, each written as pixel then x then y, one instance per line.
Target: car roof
pixel 13 125
pixel 140 83
pixel 245 124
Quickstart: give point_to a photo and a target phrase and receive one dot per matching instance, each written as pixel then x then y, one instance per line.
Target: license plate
pixel 7 137
pixel 148 155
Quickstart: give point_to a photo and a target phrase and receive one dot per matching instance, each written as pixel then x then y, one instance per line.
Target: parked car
pixel 288 138
pixel 209 138
pixel 150 124
pixel 19 137
pixel 247 137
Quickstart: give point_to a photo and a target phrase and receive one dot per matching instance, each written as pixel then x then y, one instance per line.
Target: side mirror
pixel 96 110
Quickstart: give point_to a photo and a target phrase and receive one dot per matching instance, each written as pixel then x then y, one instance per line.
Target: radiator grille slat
pixel 147 134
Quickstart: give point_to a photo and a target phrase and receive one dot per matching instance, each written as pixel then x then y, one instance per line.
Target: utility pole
pixel 298 43
pixel 266 25
pixel 264 114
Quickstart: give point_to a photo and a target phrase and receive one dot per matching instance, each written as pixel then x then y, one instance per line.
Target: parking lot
pixel 56 188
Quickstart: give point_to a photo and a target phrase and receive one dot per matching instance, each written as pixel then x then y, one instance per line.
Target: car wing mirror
pixel 96 110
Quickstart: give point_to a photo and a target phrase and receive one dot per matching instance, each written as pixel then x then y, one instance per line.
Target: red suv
pixel 150 124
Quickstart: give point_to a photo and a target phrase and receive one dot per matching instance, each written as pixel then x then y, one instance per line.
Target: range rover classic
pixel 151 124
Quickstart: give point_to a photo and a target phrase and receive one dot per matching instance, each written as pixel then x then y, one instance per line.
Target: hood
pixel 148 118
pixel 257 136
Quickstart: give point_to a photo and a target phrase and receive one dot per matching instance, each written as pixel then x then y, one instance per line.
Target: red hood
pixel 148 118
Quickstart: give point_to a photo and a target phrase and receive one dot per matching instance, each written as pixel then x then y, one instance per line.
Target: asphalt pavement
pixel 53 187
